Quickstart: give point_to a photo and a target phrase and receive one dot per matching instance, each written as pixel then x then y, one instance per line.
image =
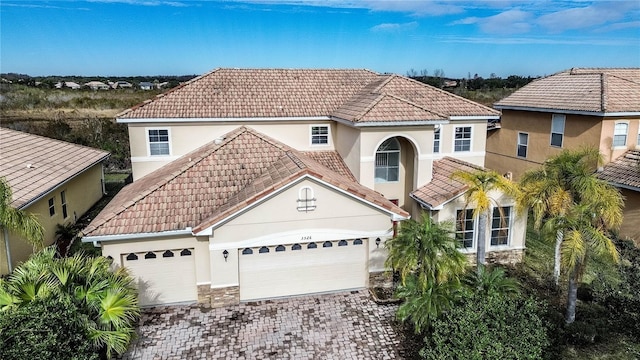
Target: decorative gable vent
pixel 306 200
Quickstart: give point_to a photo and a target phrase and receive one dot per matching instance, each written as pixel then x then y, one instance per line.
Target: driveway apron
pixel 346 325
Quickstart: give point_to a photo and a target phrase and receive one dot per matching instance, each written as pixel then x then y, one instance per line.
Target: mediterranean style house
pixel 56 180
pixel 593 107
pixel 262 183
pixel 577 107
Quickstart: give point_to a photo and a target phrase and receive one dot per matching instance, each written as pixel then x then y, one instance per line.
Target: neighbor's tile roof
pixel 34 165
pixel 625 170
pixel 596 90
pixel 353 95
pixel 443 187
pixel 212 182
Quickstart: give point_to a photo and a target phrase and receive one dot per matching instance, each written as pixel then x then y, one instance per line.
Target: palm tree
pixel 108 297
pixel 551 191
pixel 425 255
pixel 20 222
pixel 491 282
pixel 480 184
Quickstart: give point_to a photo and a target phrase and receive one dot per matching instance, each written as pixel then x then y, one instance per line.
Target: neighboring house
pixel 252 184
pixel 122 85
pixel 97 85
pixel 596 107
pixel 56 180
pixel 146 85
pixel 69 84
pixel 624 173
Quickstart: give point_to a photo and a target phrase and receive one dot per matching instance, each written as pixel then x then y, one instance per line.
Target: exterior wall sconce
pixel 226 255
pixel 378 243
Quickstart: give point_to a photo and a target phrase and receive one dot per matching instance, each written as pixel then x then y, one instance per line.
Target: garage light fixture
pixel 378 242
pixel 226 255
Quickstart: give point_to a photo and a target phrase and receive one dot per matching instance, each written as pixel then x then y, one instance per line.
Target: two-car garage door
pixel 164 276
pixel 302 268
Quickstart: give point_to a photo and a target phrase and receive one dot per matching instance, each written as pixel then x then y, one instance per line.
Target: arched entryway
pixel 394 173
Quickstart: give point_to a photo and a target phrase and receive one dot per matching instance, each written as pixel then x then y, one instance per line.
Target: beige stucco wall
pixel 82 192
pixel 185 137
pixel 348 146
pixel 278 221
pixel 631 220
pixel 517 234
pixel 116 249
pixel 608 151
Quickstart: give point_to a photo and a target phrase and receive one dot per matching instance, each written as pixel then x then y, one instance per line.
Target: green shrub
pixel 488 327
pixel 51 329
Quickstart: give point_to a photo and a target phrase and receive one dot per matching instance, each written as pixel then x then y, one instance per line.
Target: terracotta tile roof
pixel 34 165
pixel 332 160
pixel 214 181
pixel 625 170
pixel 592 90
pixel 442 187
pixel 354 95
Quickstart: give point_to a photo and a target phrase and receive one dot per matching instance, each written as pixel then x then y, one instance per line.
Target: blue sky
pixel 154 37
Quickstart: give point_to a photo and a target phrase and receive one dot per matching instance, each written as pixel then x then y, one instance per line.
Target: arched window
pixel 185 252
pixel 343 243
pixel 150 255
pixel 296 247
pixel 263 250
pixel 167 253
pixel 388 161
pixel 312 245
pixel 306 199
pixel 247 251
pixel 132 256
pixel 357 242
pixel 280 248
pixel 327 244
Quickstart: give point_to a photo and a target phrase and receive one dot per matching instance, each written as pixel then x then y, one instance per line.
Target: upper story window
pixel 465 225
pixel 523 143
pixel 462 139
pixel 500 223
pixel 320 135
pixel 557 129
pixel 158 142
pixel 306 199
pixel 436 140
pixel 52 206
pixel 388 161
pixel 63 200
pixel 638 142
pixel 620 134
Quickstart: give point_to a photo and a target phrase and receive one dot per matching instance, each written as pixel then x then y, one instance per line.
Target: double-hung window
pixel 158 142
pixel 436 140
pixel 52 206
pixel 320 135
pixel 465 228
pixel 557 129
pixel 620 134
pixel 523 143
pixel 63 200
pixel 388 161
pixel 462 139
pixel 500 222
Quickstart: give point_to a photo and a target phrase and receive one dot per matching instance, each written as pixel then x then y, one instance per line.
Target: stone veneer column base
pixel 505 257
pixel 218 297
pixel 380 279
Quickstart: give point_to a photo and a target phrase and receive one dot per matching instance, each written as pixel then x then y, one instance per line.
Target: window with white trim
pixel 465 226
pixel 500 223
pixel 306 199
pixel 388 161
pixel 620 134
pixel 557 129
pixel 638 141
pixel 523 143
pixel 63 199
pixel 158 142
pixel 462 141
pixel 436 140
pixel 52 206
pixel 320 135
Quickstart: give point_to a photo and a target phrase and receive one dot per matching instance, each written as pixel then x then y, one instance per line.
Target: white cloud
pixel 597 14
pixel 144 2
pixel 619 26
pixel 539 40
pixel 509 22
pixel 394 27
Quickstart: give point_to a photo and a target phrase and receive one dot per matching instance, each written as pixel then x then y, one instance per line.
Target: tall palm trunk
pixel 482 242
pixel 557 258
pixel 572 297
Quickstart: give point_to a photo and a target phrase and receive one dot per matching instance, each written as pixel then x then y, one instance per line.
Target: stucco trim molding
pixel 196 120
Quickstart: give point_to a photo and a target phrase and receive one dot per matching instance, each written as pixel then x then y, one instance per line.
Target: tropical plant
pixel 107 297
pixel 425 255
pixel 490 282
pixel 551 191
pixel 480 184
pixel 18 221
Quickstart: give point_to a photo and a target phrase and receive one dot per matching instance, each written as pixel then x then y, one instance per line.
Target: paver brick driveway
pixel 345 325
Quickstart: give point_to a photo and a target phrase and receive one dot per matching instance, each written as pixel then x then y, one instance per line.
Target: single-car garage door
pixel 164 276
pixel 302 268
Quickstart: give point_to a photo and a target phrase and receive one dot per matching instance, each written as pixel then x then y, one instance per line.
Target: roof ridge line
pixel 370 107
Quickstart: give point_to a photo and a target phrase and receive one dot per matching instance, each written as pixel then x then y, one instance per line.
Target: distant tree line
pixel 50 81
pixel 471 83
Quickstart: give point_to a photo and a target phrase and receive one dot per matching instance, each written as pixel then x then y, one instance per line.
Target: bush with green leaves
pixel 488 326
pixel 52 329
pixel 106 297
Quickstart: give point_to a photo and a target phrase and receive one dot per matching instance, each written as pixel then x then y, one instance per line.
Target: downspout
pixel 5 234
pixel 104 189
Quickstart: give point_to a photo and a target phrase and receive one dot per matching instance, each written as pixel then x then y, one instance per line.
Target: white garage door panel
pixel 304 271
pixel 164 280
